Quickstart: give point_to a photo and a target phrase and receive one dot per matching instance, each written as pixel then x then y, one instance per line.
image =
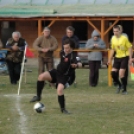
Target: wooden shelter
pixel 30 16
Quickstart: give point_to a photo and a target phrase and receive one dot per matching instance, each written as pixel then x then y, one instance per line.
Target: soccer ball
pixel 39 107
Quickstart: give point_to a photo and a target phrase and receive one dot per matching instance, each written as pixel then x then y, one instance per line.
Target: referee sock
pixel 40 85
pixel 115 77
pixel 123 80
pixel 61 100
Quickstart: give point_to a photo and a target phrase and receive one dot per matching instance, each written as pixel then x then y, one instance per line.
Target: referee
pixel 123 48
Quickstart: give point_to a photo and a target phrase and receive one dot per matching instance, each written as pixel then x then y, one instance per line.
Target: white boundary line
pixel 22 118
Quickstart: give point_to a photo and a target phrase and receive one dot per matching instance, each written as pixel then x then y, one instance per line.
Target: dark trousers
pixel 45 61
pixel 14 71
pixel 94 72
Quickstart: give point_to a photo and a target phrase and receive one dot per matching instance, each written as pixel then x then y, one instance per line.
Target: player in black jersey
pixel 61 75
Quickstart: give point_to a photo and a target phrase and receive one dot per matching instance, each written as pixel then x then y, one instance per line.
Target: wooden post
pixel 102 28
pixel 39 27
pixel 109 71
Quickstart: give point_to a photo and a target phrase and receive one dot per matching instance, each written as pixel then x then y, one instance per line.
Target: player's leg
pixel 40 85
pixel 122 72
pixel 123 80
pixel 61 98
pixel 115 74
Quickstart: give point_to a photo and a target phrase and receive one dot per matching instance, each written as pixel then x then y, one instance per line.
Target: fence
pixel 89 50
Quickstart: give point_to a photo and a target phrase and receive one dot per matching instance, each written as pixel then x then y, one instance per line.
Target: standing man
pixel 45 45
pixel 70 35
pixel 95 57
pixel 123 48
pixel 14 57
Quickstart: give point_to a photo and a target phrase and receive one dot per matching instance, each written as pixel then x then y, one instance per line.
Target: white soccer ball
pixel 39 107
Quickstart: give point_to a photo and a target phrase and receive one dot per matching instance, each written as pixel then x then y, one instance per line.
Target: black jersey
pixel 64 67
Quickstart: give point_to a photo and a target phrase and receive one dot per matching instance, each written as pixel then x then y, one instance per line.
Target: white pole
pixel 22 68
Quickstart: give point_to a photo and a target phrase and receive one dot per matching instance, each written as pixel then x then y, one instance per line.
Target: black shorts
pixel 121 63
pixel 57 78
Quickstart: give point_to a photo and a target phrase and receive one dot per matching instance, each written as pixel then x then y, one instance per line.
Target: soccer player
pixel 123 48
pixel 60 76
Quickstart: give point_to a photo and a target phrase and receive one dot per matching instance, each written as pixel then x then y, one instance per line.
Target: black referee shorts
pixel 121 63
pixel 57 78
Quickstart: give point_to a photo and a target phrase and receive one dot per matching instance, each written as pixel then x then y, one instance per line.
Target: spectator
pixel 95 57
pixel 14 57
pixel 45 45
pixel 70 35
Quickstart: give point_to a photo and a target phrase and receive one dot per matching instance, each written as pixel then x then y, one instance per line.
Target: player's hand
pixel 45 50
pixel 74 65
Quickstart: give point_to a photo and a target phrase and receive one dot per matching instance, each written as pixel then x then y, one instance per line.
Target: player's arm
pixel 76 63
pixel 130 55
pixel 130 50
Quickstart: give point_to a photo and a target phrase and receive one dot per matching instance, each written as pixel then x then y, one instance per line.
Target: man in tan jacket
pixel 45 45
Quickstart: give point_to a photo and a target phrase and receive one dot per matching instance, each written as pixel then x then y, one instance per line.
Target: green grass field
pixel 96 110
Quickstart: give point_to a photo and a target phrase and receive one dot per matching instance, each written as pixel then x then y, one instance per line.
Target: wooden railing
pixel 89 50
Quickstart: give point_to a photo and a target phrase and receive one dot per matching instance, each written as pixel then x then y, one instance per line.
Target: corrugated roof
pixel 39 8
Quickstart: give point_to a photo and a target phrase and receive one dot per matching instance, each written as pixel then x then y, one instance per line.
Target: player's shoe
pixel 35 98
pixel 118 90
pixel 64 111
pixel 124 92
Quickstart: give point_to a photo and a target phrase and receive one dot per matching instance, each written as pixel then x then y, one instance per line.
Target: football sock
pixel 115 77
pixel 123 80
pixel 61 100
pixel 40 85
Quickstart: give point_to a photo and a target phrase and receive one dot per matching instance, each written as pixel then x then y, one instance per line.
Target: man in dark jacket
pixel 14 57
pixel 70 35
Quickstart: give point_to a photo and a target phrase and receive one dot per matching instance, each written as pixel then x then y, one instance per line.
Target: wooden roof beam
pixel 111 27
pixel 52 22
pixel 93 26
